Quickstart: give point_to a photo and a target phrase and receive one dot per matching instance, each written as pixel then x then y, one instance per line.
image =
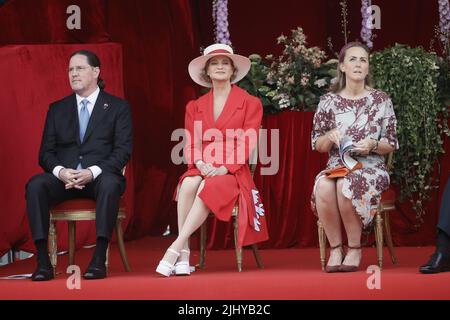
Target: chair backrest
pixel 253 158
pixel 388 160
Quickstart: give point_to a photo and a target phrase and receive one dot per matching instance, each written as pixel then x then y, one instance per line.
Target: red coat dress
pixel 214 142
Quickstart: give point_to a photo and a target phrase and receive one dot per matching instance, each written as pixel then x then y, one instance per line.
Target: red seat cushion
pixel 79 205
pixel 388 196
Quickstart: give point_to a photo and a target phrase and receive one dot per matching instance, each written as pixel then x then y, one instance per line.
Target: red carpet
pixel 289 274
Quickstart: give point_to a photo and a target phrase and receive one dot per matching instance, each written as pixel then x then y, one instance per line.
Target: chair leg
pixel 257 256
pixel 72 231
pixel 107 258
pixel 53 245
pixel 379 237
pixel 123 254
pixel 322 243
pixel 390 244
pixel 202 245
pixel 237 248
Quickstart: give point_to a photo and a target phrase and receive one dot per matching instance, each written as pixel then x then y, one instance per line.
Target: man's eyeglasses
pixel 78 69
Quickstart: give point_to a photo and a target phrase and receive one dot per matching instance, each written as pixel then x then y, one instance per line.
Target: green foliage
pixel 443 84
pixel 413 79
pixel 255 82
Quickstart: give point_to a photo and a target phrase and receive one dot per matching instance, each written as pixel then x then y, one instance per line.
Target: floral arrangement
pixel 444 21
pixel 366 30
pixel 344 20
pixel 442 34
pixel 220 18
pixel 299 76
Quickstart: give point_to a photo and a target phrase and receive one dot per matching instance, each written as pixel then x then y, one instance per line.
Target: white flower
pixel 332 61
pixel 283 100
pixel 305 79
pixel 281 39
pixel 320 83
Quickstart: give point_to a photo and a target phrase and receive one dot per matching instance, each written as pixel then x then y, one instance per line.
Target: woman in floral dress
pixel 352 110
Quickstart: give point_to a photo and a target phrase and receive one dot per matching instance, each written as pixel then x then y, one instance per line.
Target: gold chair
pixel 387 204
pixel 82 210
pixel 235 215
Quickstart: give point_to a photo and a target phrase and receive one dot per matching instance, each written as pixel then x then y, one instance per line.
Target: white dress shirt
pixel 92 98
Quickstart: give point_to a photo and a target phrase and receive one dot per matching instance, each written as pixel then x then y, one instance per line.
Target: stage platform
pixel 289 274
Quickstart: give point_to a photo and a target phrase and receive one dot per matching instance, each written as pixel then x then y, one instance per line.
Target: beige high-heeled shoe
pixel 336 268
pixel 350 268
pixel 166 268
pixel 182 268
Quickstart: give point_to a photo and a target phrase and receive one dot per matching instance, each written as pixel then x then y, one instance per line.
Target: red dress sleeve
pixel 192 149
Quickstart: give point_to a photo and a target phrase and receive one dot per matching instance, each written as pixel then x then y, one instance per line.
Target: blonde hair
pixel 340 81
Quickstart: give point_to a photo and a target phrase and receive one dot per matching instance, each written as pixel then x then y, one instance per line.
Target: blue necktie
pixel 84 118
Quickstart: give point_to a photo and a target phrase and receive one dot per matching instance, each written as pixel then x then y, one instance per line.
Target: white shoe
pixel 166 268
pixel 182 268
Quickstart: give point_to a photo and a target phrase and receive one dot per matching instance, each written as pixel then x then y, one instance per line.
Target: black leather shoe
pixel 438 263
pixel 42 273
pixel 95 270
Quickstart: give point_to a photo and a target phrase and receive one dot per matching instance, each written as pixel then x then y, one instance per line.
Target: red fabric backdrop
pixel 158 39
pixel 255 24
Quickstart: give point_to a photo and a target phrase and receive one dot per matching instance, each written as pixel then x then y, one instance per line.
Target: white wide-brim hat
pixel 196 66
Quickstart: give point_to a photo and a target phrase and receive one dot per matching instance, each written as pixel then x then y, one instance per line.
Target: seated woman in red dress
pixel 221 130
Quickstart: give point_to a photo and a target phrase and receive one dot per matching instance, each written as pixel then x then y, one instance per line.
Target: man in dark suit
pixel 87 141
pixel 440 260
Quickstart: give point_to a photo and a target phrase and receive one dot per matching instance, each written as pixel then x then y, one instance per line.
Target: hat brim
pixel 197 65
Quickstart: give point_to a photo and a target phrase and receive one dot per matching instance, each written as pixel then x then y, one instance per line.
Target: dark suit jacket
pixel 107 142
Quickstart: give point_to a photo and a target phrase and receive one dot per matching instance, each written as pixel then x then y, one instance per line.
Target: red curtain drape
pixel 44 21
pixel 287 194
pixel 254 24
pixel 158 40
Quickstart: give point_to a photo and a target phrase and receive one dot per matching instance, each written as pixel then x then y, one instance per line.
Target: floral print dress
pixel 371 116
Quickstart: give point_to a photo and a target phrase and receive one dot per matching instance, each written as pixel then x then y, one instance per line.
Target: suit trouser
pixel 44 190
pixel 444 213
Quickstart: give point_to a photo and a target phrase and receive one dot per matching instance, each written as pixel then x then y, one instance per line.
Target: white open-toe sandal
pixel 182 268
pixel 165 268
